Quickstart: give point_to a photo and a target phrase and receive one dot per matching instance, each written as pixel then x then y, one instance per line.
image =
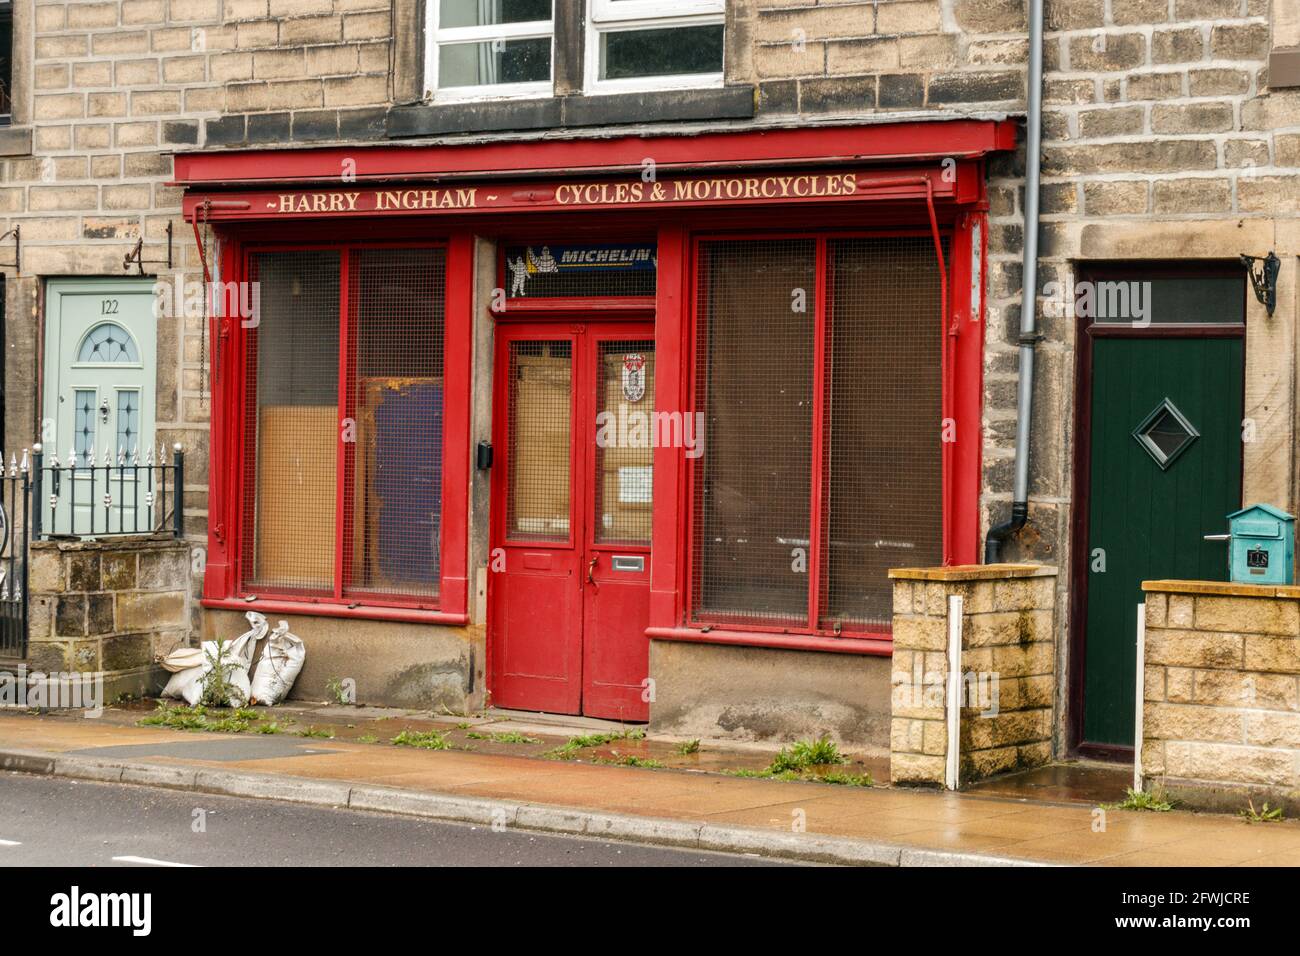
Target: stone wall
pixel 1221 714
pixel 1007 664
pixel 889 55
pixel 112 605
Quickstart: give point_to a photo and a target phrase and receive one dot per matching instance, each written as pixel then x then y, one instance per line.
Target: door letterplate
pixel 628 562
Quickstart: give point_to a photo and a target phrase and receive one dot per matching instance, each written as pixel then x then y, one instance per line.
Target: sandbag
pixel 279 666
pixel 182 659
pixel 186 685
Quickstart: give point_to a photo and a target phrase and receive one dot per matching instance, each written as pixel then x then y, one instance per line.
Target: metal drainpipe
pixel 1029 283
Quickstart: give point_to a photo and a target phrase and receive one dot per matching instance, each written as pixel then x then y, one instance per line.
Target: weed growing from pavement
pixel 367 739
pixel 803 760
pixel 271 728
pixel 425 740
pixel 511 737
pixel 687 747
pixel 200 717
pixel 628 760
pixel 569 749
pixel 1264 814
pixel 316 732
pixel 1153 800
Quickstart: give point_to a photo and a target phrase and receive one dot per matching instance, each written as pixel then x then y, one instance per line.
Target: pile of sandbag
pixel 268 683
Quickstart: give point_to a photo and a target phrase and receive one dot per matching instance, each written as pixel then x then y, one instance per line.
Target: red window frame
pixel 228 492
pixel 962 383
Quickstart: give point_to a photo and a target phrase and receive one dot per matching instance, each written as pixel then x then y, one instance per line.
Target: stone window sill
pixel 729 102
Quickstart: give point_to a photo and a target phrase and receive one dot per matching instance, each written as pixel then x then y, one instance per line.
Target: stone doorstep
pixel 808 848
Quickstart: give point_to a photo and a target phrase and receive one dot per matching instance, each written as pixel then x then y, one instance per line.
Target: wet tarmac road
pixel 54 822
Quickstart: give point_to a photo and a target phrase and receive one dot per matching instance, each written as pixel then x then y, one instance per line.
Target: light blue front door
pixel 100 369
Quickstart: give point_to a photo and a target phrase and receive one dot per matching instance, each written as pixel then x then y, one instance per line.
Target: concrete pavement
pixel 796 820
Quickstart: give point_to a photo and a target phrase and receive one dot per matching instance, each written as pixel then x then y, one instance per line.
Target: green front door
pixel 1165 470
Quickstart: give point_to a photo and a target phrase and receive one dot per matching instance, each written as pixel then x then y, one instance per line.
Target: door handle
pixel 590 568
pixel 103 411
pixel 1217 537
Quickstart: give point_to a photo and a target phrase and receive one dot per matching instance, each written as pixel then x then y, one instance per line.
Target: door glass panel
pixel 541 405
pixel 128 422
pixel 84 424
pixel 108 342
pixel 1165 433
pixel 625 423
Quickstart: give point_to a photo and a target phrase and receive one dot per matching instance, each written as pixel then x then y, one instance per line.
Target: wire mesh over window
pixel 625 432
pixel 754 384
pixel 585 270
pixel 293 423
pixel 395 405
pixel 883 466
pixel 540 422
pixel 876 425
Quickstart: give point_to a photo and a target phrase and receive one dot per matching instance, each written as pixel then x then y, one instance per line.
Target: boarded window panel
pixel 293 423
pixel 396 321
pixel 754 381
pixel 541 415
pixel 625 405
pixel 883 446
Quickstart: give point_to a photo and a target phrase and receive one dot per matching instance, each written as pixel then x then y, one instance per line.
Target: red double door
pixel 572 484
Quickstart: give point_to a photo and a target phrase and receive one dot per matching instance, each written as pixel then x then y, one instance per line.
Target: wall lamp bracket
pixel 1264 279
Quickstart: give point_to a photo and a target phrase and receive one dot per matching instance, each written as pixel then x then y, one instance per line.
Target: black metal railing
pixel 85 496
pixel 15 505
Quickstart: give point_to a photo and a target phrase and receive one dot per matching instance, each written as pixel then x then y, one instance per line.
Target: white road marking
pixel 147 861
pixel 10 843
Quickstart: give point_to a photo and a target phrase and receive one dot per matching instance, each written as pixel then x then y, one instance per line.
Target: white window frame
pixel 608 16
pixel 434 38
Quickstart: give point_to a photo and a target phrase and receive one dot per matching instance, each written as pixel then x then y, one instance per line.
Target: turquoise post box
pixel 1262 546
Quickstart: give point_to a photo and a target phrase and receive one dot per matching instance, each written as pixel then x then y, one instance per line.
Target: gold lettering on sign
pixel 745 188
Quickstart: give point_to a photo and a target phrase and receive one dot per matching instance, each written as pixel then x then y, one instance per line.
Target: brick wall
pixel 1007 663
pixel 1221 716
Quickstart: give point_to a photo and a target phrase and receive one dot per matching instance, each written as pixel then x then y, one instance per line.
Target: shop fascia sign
pixel 782 187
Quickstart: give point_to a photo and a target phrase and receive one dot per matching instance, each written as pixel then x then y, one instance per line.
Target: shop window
pixel 653 44
pixel 488 49
pixel 343 491
pixel 818 374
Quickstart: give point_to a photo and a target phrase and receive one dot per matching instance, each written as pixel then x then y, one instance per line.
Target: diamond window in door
pixel 1165 433
pixel 108 342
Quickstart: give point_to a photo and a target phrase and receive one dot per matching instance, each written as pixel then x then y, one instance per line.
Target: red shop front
pixel 562 400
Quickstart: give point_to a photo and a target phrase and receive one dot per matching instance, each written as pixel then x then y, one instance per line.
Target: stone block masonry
pixel 1007 666
pixel 1221 714
pixel 111 606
